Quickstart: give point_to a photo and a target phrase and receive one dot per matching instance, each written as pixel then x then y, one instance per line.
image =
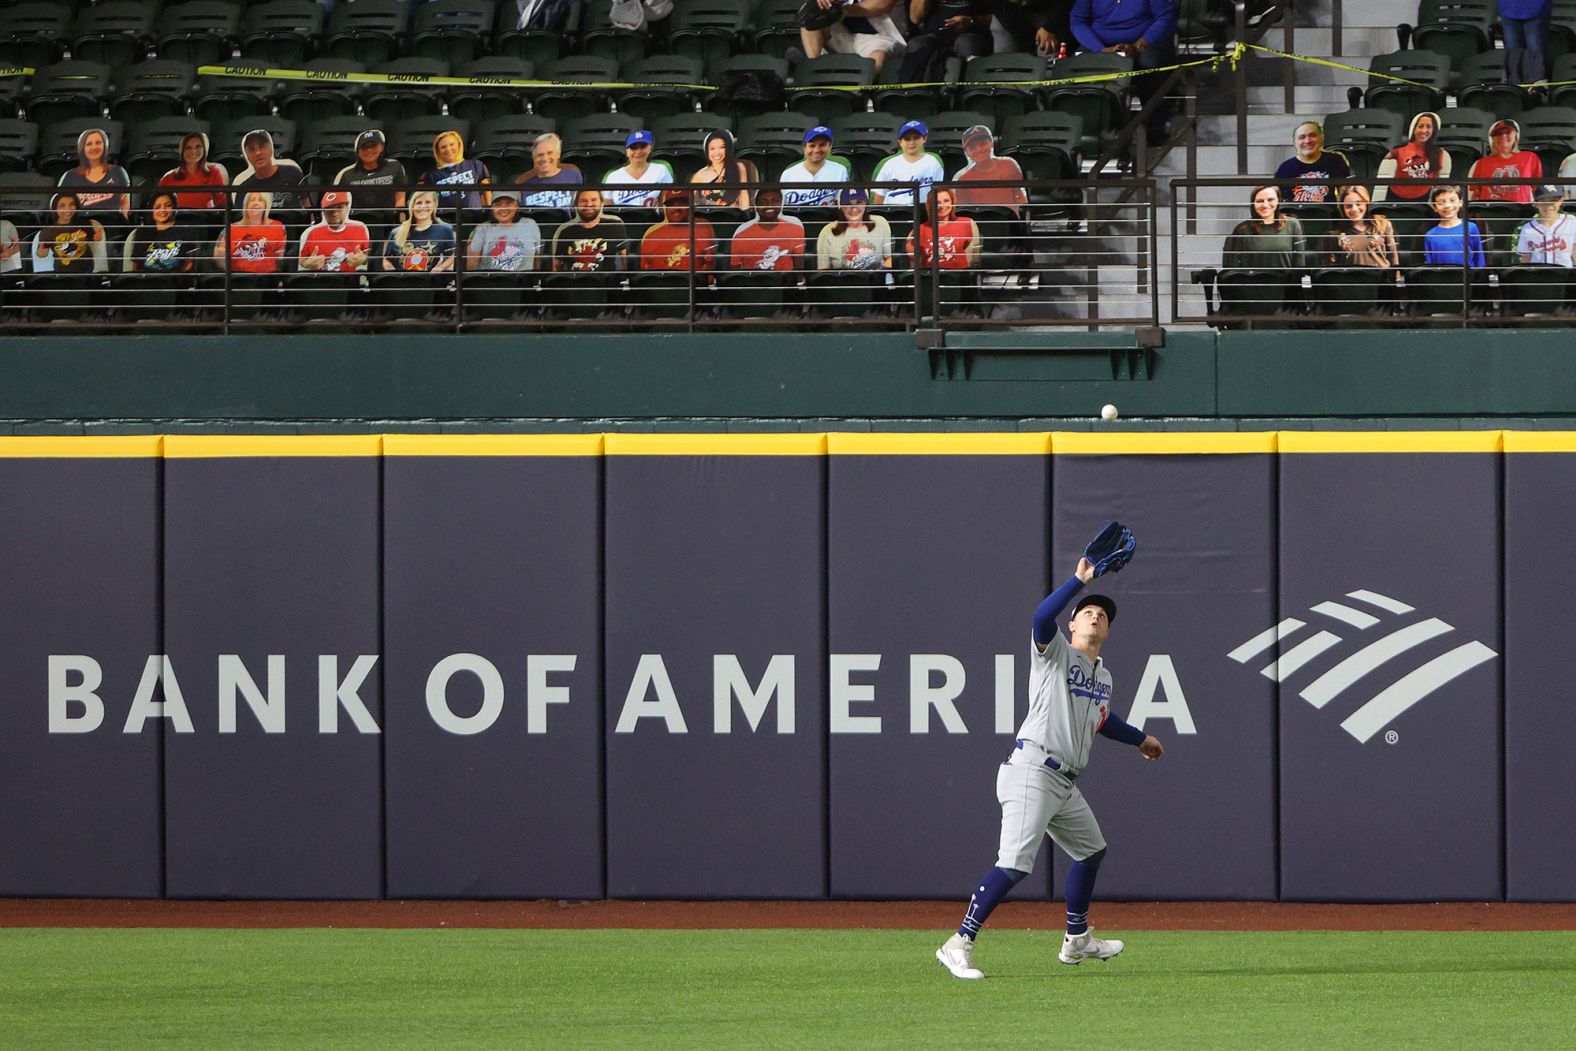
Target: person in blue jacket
pixel 1143 30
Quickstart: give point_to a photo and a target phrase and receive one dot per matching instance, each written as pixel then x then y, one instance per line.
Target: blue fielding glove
pixel 1111 549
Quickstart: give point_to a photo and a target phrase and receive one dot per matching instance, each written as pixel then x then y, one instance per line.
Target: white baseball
pixel 1108 411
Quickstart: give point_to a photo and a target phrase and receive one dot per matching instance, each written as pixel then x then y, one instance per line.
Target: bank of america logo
pixel 1392 698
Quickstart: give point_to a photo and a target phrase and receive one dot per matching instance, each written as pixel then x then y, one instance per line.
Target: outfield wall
pixel 775 666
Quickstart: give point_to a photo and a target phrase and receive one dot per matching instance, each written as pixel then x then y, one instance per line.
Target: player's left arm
pixel 1119 729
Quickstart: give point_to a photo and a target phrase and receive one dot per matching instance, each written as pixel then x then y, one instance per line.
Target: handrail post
pixel 1241 12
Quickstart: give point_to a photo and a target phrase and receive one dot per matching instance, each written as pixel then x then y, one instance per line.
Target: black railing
pixel 1009 255
pixel 1407 263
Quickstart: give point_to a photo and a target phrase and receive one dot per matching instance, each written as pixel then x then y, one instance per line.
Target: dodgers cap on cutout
pixel 913 125
pixel 820 131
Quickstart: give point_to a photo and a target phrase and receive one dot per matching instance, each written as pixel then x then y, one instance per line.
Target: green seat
pixel 73 88
pixel 505 143
pixel 707 31
pixel 155 88
pixel 1564 69
pixel 309 100
pixel 563 104
pixel 653 103
pixel 1550 132
pixel 1531 290
pixel 116 34
pixel 370 32
pixel 218 98
pixel 774 140
pixel 34 35
pixel 18 143
pixel 1363 137
pixel 1463 133
pixel 1101 105
pixel 1424 67
pixel 1046 147
pixel 600 38
pixel 867 139
pixel 536 46
pixel 452 31
pixel 820 84
pixel 1002 101
pixel 390 102
pixel 596 143
pixel 1456 29
pixel 1480 85
pixel 777 27
pixel 411 140
pixel 200 32
pixel 479 102
pixel 282 34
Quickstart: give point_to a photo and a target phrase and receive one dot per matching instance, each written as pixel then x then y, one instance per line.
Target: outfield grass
pixel 782 988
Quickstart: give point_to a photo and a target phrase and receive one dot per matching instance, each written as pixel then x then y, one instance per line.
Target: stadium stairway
pixel 1368 29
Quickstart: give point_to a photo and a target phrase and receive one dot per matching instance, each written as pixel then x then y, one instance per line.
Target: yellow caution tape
pixel 324 76
pixel 1336 65
pixel 17 71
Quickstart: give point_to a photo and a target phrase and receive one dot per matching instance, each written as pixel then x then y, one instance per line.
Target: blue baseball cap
pixel 853 195
pixel 636 138
pixel 913 125
pixel 820 131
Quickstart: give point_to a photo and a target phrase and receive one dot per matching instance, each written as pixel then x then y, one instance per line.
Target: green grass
pixel 781 988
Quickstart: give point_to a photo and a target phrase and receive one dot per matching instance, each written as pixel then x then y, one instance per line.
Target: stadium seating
pixel 1099 105
pixel 153 146
pixel 115 34
pixel 34 35
pixel 477 103
pixel 225 145
pixel 1002 100
pixel 680 139
pixel 820 84
pixel 596 143
pixel 329 144
pixel 651 103
pixel 307 100
pixel 73 88
pixel 1481 85
pixel 389 102
pixel 200 32
pixel 946 135
pixel 218 98
pixel 537 46
pixel 566 103
pixel 1550 132
pixel 707 30
pixel 600 38
pixel 1457 29
pixel 505 143
pixel 1463 133
pixel 1421 67
pixel 18 144
pixel 155 88
pixel 282 33
pixel 453 31
pixel 370 32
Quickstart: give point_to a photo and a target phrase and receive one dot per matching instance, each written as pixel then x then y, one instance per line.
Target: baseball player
pixel 1069 702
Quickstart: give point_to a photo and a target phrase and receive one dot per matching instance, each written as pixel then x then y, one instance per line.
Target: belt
pixel 1050 761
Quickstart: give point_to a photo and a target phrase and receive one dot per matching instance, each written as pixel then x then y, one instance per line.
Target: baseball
pixel 1108 411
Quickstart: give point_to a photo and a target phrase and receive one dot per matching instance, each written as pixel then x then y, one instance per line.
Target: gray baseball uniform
pixel 1069 697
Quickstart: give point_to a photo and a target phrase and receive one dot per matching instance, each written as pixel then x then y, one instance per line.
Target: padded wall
pixel 936 564
pixel 492 636
pixel 274 556
pixel 1391 707
pixel 1540 614
pixel 80 579
pixel 1199 823
pixel 714 582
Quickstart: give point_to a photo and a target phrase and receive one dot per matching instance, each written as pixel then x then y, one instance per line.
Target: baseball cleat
pixel 1077 948
pixel 957 956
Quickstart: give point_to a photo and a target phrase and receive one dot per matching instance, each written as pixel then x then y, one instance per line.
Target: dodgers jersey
pixel 1069 696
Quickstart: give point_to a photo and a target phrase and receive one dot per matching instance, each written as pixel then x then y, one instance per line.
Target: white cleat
pixel 1077 948
pixel 957 956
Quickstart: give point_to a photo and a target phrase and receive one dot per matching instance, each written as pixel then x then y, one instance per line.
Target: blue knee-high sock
pixel 1080 888
pixel 986 897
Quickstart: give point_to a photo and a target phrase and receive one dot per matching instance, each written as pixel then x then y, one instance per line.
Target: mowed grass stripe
pixel 778 988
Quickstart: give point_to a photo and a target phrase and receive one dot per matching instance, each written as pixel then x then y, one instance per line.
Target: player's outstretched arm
pixel 1151 748
pixel 1053 604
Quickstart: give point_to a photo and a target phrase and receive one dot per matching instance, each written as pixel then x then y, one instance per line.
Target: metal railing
pixel 1066 253
pixel 1403 265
